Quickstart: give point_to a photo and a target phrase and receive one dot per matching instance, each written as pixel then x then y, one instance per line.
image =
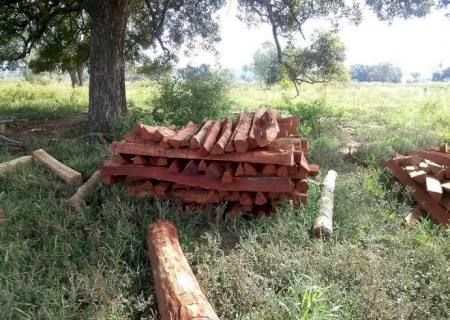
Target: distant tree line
pixel 383 72
pixel 442 75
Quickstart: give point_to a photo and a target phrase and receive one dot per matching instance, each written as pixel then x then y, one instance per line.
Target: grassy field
pixel 56 264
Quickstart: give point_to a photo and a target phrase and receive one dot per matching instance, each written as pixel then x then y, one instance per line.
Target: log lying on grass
pixel 10 165
pixel 77 200
pixel 323 225
pixel 69 175
pixel 178 292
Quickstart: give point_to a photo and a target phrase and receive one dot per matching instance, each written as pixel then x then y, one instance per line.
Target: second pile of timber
pixel 250 163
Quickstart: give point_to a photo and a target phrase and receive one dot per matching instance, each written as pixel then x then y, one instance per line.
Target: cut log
pixel 260 199
pixel 219 147
pixel 69 175
pixel 249 169
pixel 445 202
pixel 241 139
pixel 182 137
pixel 323 225
pixel 233 196
pixel 288 126
pixel 10 165
pixel 438 213
pixel 228 174
pixel 435 156
pixel 159 162
pixel 202 166
pixel 139 160
pixel 161 188
pixel 301 186
pixel 282 171
pixel 163 133
pixel 239 170
pixel 424 167
pixel 283 157
pixel 178 293
pixel 148 132
pixel 256 129
pixel 78 199
pixel 229 147
pixel 418 176
pixel 253 184
pixel 176 166
pixel 446 186
pixel 191 168
pixel 197 140
pixel 269 170
pixel 211 137
pixel 434 188
pixel 196 196
pixel 215 170
pixel 246 198
pixel 313 170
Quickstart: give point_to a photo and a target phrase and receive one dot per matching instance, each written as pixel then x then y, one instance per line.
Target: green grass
pixel 56 264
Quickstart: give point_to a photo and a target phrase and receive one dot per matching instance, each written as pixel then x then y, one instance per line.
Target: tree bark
pixel 73 78
pixel 80 75
pixel 107 98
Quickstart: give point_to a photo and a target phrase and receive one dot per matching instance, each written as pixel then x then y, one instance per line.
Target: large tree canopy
pixel 383 72
pixel 122 29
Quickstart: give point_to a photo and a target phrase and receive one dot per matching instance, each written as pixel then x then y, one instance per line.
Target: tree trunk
pixel 80 75
pixel 107 66
pixel 323 225
pixel 73 78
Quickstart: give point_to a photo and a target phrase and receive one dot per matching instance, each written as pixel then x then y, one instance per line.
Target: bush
pixel 194 94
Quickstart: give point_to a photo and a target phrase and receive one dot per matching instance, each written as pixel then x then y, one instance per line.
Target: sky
pixel 414 45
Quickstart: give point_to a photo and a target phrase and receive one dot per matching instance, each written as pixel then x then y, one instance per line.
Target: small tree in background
pixel 265 64
pixel 443 75
pixel 195 93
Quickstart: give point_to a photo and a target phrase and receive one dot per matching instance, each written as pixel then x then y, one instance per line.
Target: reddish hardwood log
pixel 191 168
pixel 239 170
pixel 270 128
pixel 215 170
pixel 182 137
pixel 163 133
pixel 176 166
pixel 228 174
pixel 233 196
pixel 283 157
pixel 269 170
pixel 197 140
pixel 219 147
pixel 288 126
pixel 69 175
pixel 435 156
pixel 438 213
pixel 159 161
pixel 249 169
pixel 211 137
pixel 247 198
pixel 229 147
pixel 77 200
pixel 253 184
pixel 178 293
pixel 202 166
pixel 139 160
pixel 282 171
pixel 196 196
pixel 241 139
pixel 313 170
pixel 147 133
pixel 260 199
pixel 301 186
pixel 161 188
pixel 256 130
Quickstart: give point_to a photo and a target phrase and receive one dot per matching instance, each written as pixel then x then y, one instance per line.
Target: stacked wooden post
pixel 250 163
pixel 427 174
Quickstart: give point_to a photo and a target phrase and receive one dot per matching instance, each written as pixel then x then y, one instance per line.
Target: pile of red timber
pixel 427 174
pixel 250 163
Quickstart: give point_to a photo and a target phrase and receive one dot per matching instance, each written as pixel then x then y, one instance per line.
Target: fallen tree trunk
pixel 178 293
pixel 69 175
pixel 9 165
pixel 323 225
pixel 77 200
